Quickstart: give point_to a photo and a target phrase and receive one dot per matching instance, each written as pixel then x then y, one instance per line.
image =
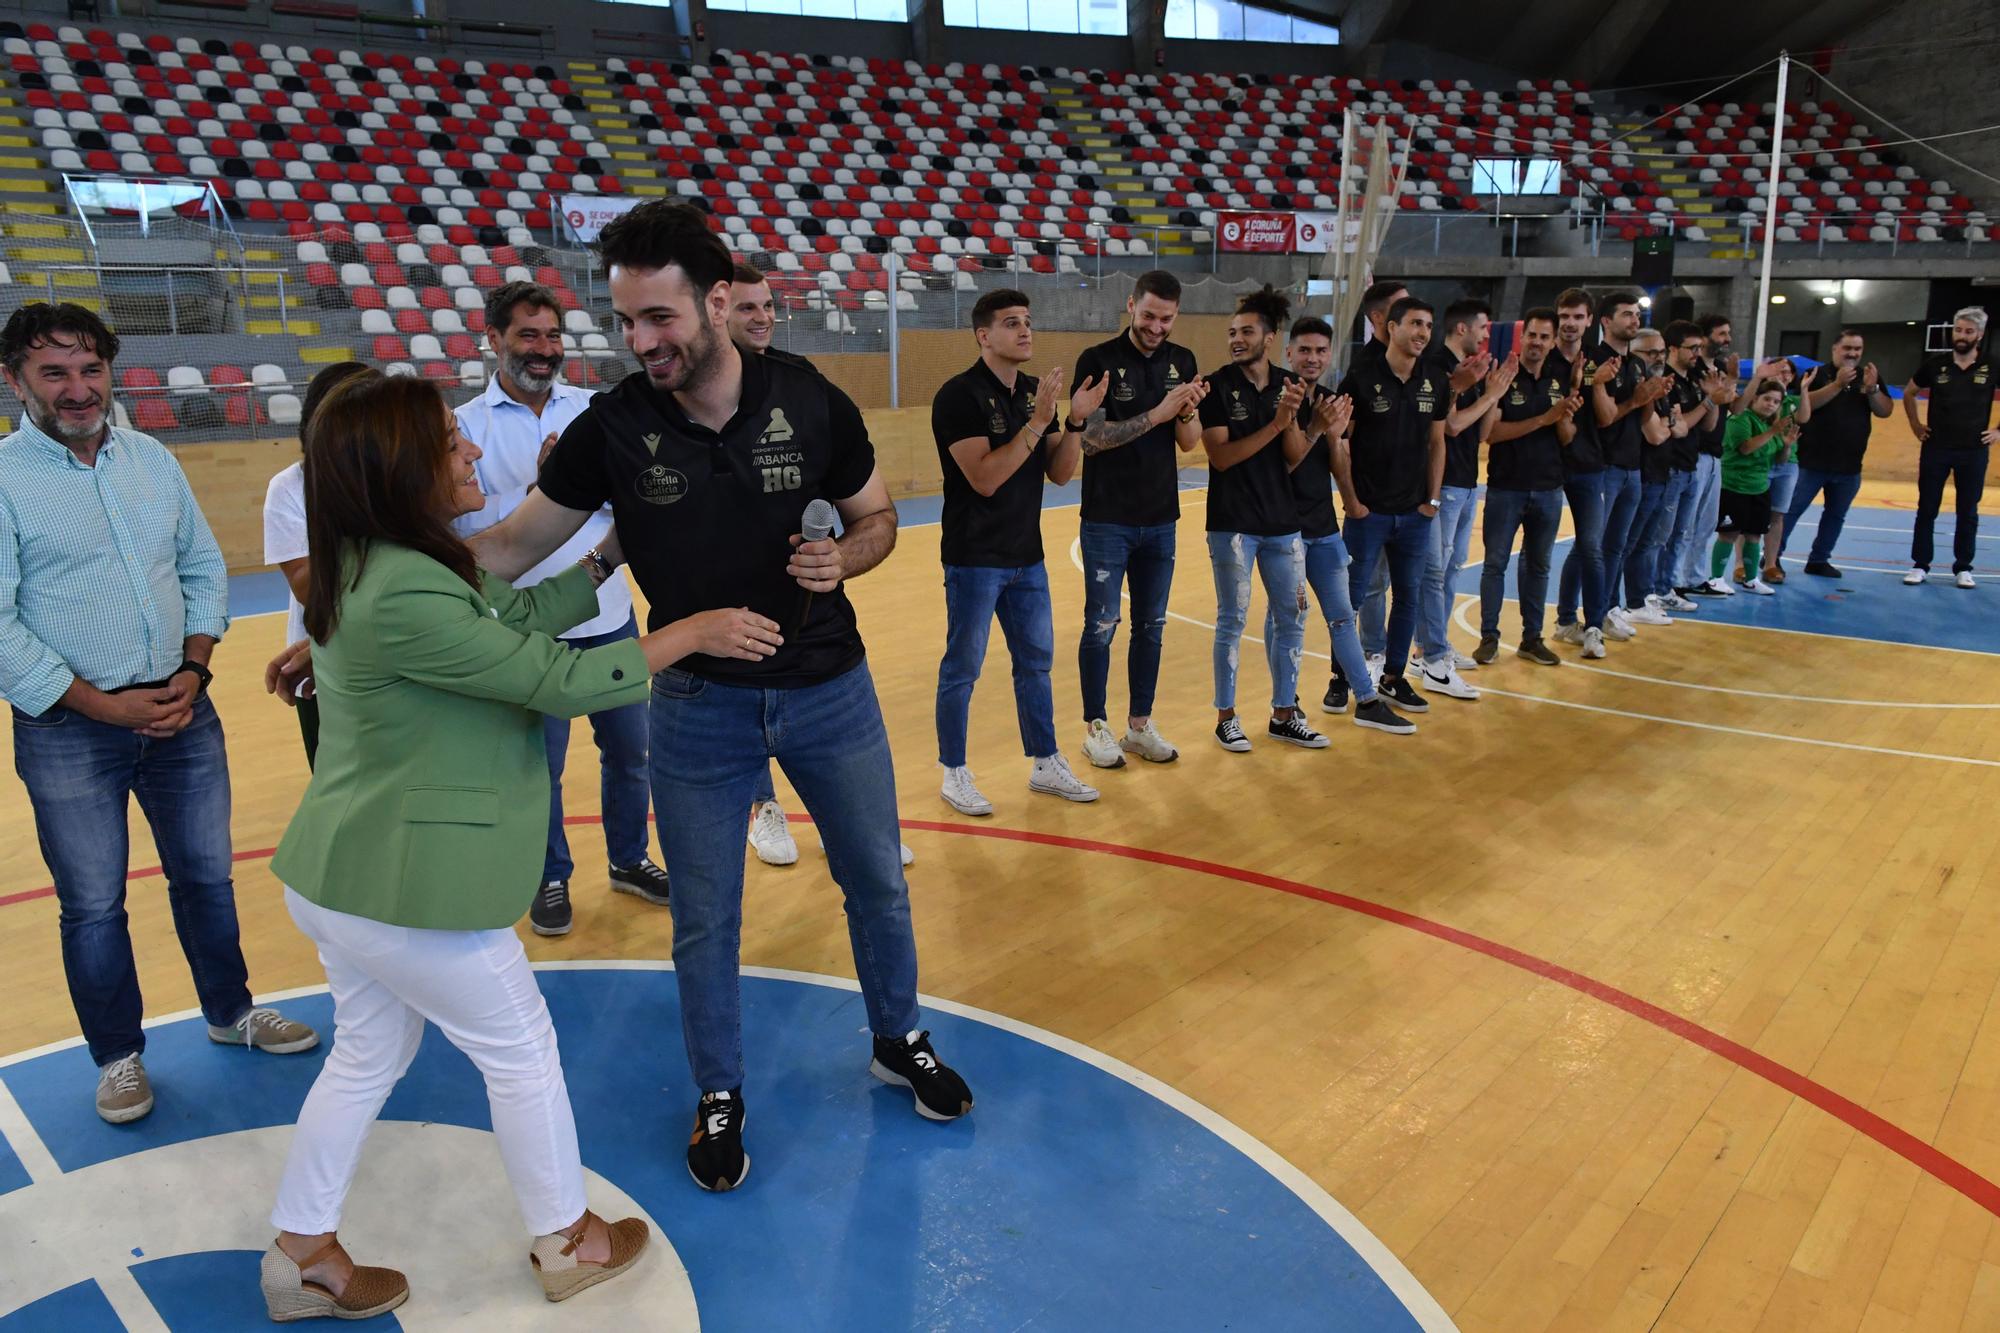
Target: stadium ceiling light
pixel 1645 303
pixel 1777 298
pixel 1829 300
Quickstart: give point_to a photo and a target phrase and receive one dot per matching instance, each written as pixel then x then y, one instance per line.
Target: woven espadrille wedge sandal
pixel 288 1296
pixel 563 1276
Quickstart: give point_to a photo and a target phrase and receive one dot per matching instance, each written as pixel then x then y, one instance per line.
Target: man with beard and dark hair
pixel 1955 437
pixel 113 594
pixel 515 423
pixel 1846 398
pixel 1715 361
pixel 709 461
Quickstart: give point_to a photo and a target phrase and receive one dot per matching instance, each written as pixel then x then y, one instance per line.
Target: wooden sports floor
pixel 1656 995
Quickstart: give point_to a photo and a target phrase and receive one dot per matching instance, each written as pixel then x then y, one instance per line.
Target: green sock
pixel 1752 566
pixel 1718 559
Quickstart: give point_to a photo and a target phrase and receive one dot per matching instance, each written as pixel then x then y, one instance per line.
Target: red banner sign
pixel 1255 233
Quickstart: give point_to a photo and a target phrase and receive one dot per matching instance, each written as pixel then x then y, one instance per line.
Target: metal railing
pixel 241 277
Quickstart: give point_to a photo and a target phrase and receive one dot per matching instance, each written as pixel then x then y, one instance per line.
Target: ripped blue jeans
pixel 1281 562
pixel 1326 572
pixel 1114 553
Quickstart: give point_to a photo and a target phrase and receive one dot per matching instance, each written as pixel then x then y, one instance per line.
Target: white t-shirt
pixel 285 536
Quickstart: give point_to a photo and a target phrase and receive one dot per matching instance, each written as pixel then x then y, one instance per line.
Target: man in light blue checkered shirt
pixel 113 594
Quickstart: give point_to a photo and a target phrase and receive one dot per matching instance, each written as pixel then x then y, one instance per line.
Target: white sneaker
pixel 1623 618
pixel 961 795
pixel 1376 661
pixel 1447 682
pixel 1721 588
pixel 771 836
pixel 1051 777
pixel 1593 643
pixel 1648 615
pixel 1148 744
pixel 1965 579
pixel 1673 601
pixel 1616 629
pixel 1570 633
pixel 1761 588
pixel 1100 747
pixel 1463 661
pixel 1916 575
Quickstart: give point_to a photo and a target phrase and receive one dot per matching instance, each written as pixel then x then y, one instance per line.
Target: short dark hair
pixel 39 324
pixel 988 307
pixel 666 234
pixel 1268 304
pixel 746 275
pixel 1710 323
pixel 1305 326
pixel 1464 311
pixel 1157 282
pixel 1376 298
pixel 1409 305
pixel 1767 386
pixel 1545 314
pixel 1612 300
pixel 1850 333
pixel 1679 331
pixel 324 383
pixel 502 302
pixel 1575 296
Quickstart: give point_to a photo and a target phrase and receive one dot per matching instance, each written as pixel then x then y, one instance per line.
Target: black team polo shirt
pixel 706 517
pixel 1255 497
pixel 1137 484
pixel 1531 462
pixel 1312 479
pixel 1002 530
pixel 1961 400
pixel 1461 451
pixel 1686 395
pixel 1622 442
pixel 1836 435
pixel 1585 454
pixel 1390 445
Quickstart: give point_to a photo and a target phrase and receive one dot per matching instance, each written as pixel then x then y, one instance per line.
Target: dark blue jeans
pixel 1406 540
pixel 620 734
pixel 79 776
pixel 709 744
pixel 1840 489
pixel 1622 492
pixel 1676 520
pixel 1113 553
pixel 973 596
pixel 1583 567
pixel 1539 513
pixel 1966 469
pixel 1650 521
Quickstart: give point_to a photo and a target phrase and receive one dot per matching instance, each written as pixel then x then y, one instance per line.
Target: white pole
pixel 894 269
pixel 1340 268
pixel 1771 210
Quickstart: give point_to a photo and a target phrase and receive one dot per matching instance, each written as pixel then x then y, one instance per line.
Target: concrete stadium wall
pixel 1929 67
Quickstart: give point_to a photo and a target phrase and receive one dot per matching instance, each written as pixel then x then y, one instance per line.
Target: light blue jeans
pixel 1704 505
pixel 1326 572
pixel 1281 562
pixel 1451 542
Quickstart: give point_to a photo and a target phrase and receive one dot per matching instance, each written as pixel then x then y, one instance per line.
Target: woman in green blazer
pixel 418 841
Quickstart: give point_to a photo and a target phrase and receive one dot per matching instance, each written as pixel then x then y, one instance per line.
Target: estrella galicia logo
pixel 660 485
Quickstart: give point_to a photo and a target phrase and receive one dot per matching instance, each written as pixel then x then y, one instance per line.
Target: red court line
pixel 1930 1160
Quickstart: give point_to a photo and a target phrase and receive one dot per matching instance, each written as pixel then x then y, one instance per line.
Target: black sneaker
pixel 1336 696
pixel 1377 715
pixel 1294 731
pixel 909 1062
pixel 642 879
pixel 1404 697
pixel 1538 652
pixel 549 914
pixel 1702 590
pixel 1488 649
pixel 1821 569
pixel 716 1158
pixel 1229 734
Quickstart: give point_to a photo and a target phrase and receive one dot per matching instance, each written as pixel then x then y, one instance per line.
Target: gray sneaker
pixel 266 1030
pixel 124 1093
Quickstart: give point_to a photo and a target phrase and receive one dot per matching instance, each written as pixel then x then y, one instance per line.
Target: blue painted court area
pixel 1069 1199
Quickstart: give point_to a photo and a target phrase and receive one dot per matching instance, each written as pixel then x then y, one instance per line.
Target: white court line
pixel 19 1132
pixel 1864 527
pixel 129 1301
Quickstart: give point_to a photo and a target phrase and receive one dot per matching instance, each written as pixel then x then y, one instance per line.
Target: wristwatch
pixel 600 562
pixel 201 673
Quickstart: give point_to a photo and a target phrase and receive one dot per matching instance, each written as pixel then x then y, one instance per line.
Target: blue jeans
pixel 1966 469
pixel 80 774
pixel 1784 479
pixel 1112 553
pixel 1326 572
pixel 1374 611
pixel 1677 517
pixel 1451 541
pixel 1622 492
pixel 1704 512
pixel 709 742
pixel 1406 540
pixel 1282 563
pixel 1539 513
pixel 973 595
pixel 1583 567
pixel 1650 521
pixel 620 734
pixel 1840 488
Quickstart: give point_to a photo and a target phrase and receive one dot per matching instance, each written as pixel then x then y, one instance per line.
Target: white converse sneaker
pixel 1616 629
pixel 1649 614
pixel 1570 633
pixel 1051 776
pixel 1101 748
pixel 1148 744
pixel 1442 678
pixel 1761 588
pixel 961 795
pixel 1593 643
pixel 771 836
pixel 1964 579
pixel 1916 575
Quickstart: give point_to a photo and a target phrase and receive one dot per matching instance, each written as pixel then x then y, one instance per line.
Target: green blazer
pixel 429 801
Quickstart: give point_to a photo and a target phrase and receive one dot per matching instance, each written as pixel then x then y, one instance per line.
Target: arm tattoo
pixel 1100 434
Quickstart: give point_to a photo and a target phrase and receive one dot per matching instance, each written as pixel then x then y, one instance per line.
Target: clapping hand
pixel 1468 371
pixel 1871 378
pixel 1331 415
pixel 1047 394
pixel 1089 396
pixel 1503 374
pixel 1290 397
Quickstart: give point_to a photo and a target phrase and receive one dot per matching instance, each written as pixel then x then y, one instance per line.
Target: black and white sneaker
pixel 1403 696
pixel 1378 716
pixel 1229 735
pixel 549 913
pixel 642 879
pixel 1336 696
pixel 1294 731
pixel 716 1158
pixel 909 1062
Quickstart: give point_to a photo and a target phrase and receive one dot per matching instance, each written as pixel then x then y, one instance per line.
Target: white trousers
pixel 476 985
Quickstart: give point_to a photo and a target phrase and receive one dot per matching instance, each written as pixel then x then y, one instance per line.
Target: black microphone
pixel 816 525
